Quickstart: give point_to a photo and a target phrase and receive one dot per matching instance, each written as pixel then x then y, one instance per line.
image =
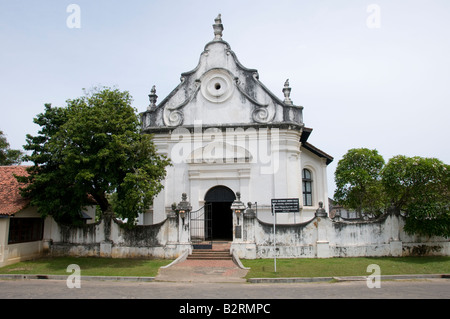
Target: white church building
pixel 235 148
pixel 227 133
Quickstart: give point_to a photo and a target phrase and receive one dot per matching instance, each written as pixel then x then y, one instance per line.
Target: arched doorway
pixel 218 212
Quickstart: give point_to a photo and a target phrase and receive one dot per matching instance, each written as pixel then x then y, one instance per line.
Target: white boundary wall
pixel 320 237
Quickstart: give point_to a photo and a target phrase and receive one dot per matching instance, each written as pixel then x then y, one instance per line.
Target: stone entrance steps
pixel 219 251
pixel 207 254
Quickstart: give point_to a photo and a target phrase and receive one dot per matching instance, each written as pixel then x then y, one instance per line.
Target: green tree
pixel 7 155
pixel 358 184
pixel 420 187
pixel 50 189
pixel 92 149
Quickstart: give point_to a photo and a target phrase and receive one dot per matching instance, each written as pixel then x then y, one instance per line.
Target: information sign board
pixel 285 205
pixel 282 205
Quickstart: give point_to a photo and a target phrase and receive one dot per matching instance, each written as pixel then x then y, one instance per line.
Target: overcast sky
pixel 372 74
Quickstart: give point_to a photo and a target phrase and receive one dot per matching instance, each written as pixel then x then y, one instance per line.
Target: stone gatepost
pixel 176 234
pixel 183 210
pixel 184 232
pixel 249 224
pixel 238 208
pixel 172 227
pixel 244 246
pixel 322 243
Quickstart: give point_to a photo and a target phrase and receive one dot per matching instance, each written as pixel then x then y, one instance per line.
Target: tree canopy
pixel 88 151
pixel 358 184
pixel 419 187
pixel 8 156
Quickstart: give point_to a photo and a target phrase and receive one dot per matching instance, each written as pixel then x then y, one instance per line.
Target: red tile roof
pixel 10 199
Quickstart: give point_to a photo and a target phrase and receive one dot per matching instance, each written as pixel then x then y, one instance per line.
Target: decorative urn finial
pixel 321 212
pixel 218 28
pixel 287 93
pixel 152 97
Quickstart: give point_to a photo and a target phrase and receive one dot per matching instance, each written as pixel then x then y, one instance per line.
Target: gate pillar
pixel 322 243
pixel 173 226
pixel 245 246
pixel 183 210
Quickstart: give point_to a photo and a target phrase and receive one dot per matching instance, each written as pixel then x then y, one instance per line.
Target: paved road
pixel 57 289
pixel 218 300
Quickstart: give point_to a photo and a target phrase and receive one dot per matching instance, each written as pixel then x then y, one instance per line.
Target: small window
pixel 307 187
pixel 23 230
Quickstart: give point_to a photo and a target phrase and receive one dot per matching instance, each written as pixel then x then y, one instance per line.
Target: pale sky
pixel 367 76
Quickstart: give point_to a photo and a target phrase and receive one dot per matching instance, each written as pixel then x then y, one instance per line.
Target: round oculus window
pixel 217 86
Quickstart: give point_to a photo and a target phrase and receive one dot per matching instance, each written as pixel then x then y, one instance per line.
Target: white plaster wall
pixel 4 230
pixel 11 253
pixel 320 237
pixel 383 237
pixel 273 170
pixel 23 251
pixel 318 168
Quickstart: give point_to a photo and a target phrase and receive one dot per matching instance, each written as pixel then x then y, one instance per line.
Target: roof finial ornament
pixel 218 28
pixel 152 97
pixel 287 93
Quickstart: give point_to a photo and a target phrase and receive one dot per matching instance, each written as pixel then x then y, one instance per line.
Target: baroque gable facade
pixel 224 130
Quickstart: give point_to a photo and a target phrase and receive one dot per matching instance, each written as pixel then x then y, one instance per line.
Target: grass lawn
pixel 308 267
pixel 260 268
pixel 89 266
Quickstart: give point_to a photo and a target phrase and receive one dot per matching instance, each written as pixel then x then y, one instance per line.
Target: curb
pixel 64 277
pixel 181 258
pixel 237 261
pixel 288 280
pixel 250 280
pixel 344 279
